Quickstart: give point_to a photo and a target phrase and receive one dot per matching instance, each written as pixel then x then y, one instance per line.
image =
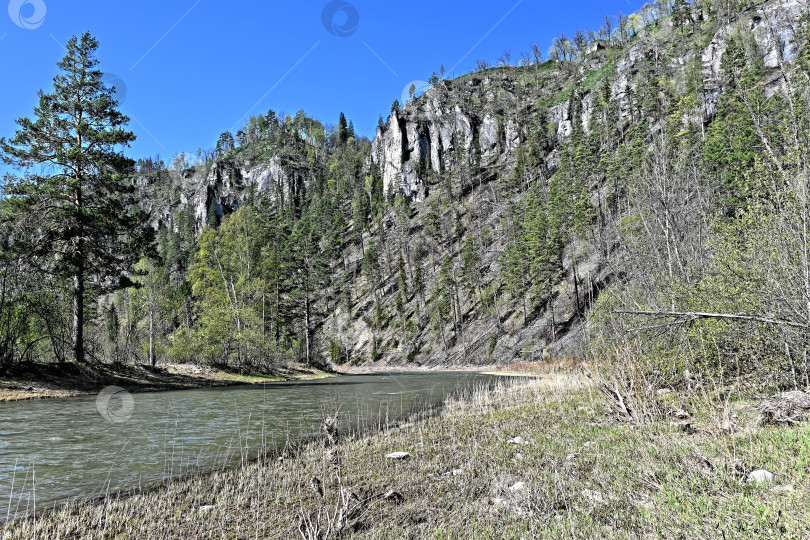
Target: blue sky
pixel 195 68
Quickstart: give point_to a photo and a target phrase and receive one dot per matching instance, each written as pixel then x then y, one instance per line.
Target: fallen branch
pixel 694 315
pixel 787 407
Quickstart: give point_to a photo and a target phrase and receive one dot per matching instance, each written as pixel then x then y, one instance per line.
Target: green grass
pixel 594 77
pixel 586 475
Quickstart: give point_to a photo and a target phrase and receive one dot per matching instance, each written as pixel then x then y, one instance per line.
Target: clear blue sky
pixel 195 68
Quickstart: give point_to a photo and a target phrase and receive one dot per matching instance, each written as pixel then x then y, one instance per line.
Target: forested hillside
pixel 637 197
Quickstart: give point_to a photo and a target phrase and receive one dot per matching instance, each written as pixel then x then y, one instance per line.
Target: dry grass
pixel 524 368
pixel 584 474
pixel 219 375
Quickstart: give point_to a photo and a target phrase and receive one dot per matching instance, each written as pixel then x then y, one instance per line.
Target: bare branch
pixel 694 315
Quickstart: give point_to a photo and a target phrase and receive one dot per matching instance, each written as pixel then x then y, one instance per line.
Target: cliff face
pixel 475 125
pixel 485 113
pixel 461 143
pixel 222 188
pixel 473 119
pixel 227 184
pixel 480 119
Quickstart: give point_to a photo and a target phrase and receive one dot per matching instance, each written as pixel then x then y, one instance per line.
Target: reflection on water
pixel 53 450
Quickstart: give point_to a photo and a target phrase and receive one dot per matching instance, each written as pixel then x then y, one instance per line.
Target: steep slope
pixel 488 214
pixel 471 132
pixel 452 153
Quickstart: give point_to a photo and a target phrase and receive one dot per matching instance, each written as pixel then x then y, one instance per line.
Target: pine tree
pixel 732 147
pixel 213 214
pixel 74 193
pixel 514 273
pixel 449 286
pixel 802 43
pixel 224 144
pixel 419 280
pixel 433 219
pixel 401 277
pixel 471 262
pixel 680 13
pixel 359 216
pixel 307 270
pixel 113 328
pixel 343 130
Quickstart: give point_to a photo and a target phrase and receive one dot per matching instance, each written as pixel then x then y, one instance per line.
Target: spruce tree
pixel 73 193
pixel 343 129
pixel 471 263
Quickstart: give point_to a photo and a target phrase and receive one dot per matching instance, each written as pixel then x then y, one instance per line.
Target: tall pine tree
pixel 73 193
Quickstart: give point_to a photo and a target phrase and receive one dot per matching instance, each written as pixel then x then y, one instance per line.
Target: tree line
pixel 699 215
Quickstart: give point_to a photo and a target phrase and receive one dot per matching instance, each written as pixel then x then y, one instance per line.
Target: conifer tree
pixel 471 261
pixel 74 194
pixel 343 130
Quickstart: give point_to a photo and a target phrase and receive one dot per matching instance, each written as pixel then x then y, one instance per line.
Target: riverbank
pixel 532 458
pixel 34 381
pixel 511 369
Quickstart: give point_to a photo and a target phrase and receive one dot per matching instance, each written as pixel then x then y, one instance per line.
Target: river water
pixel 53 450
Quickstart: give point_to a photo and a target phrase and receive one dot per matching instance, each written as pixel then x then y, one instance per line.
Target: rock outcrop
pixel 472 121
pixel 225 185
pixel 483 116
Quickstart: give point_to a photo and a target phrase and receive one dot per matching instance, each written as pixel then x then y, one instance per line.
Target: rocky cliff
pixel 473 119
pixel 476 125
pixel 222 187
pixel 485 114
pixel 464 157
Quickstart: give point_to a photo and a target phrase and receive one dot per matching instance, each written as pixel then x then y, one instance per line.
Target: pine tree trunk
pixel 459 315
pixel 152 360
pixel 553 321
pixel 307 331
pixel 78 315
pixel 277 314
pixel 497 310
pixel 576 283
pixel 525 310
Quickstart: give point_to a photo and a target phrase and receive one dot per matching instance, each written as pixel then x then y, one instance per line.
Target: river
pixel 54 450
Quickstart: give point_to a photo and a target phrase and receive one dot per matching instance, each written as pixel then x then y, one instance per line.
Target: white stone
pixel 761 476
pixel 518 440
pixel 594 496
pixel 398 455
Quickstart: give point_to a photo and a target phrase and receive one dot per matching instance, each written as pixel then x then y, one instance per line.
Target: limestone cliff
pixel 462 142
pixel 483 114
pixel 222 187
pixel 475 126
